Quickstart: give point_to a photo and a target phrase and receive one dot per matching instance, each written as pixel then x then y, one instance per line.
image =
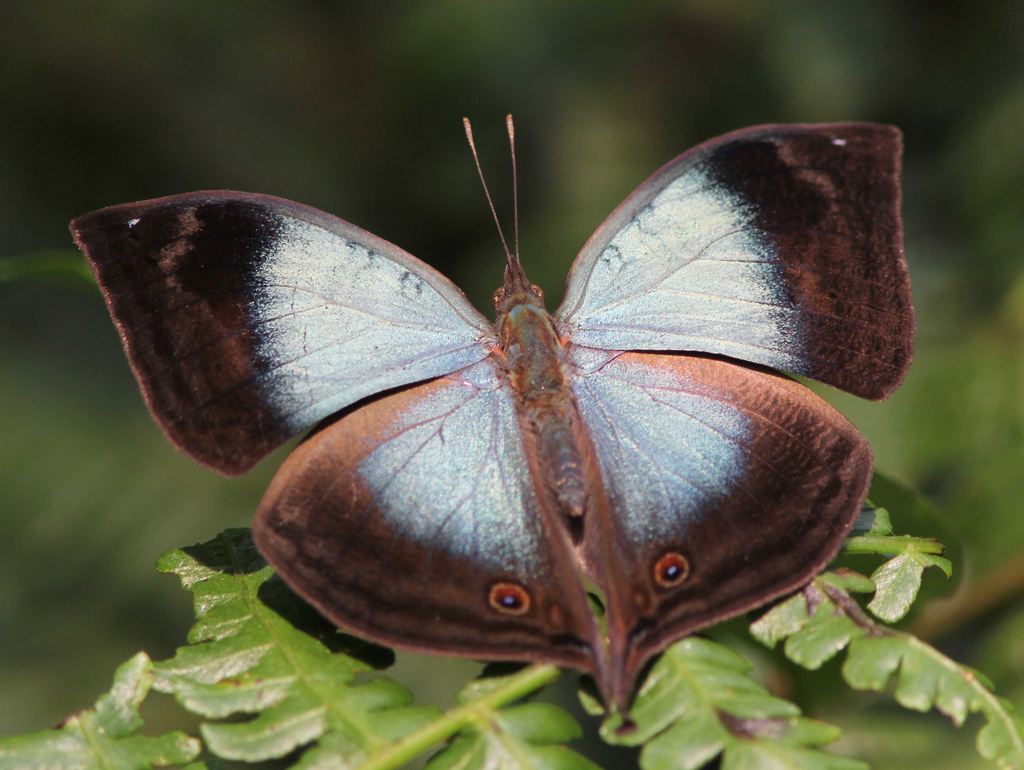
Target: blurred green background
pixel 355 108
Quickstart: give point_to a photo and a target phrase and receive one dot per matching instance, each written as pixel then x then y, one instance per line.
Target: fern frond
pixel 103 737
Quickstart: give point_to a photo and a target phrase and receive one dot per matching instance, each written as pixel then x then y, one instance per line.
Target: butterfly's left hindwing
pixel 248 318
pixel 726 486
pixel 412 515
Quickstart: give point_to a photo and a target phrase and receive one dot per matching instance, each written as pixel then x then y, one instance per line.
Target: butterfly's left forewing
pixel 413 519
pixel 777 245
pixel 726 486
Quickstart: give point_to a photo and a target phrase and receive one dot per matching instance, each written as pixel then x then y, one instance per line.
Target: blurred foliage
pixel 355 108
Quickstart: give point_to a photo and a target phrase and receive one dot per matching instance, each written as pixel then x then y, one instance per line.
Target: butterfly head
pixel 516 291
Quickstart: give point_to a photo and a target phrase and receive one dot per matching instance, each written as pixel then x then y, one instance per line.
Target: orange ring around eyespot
pixel 671 570
pixel 509 598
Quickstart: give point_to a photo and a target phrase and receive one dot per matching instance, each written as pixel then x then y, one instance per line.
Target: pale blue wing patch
pixel 341 314
pixel 455 477
pixel 686 271
pixel 668 448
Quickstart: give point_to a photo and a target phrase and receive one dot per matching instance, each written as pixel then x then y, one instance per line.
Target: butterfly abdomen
pixel 547 412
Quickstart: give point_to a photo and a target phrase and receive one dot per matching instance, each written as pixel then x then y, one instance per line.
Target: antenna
pixel 472 146
pixel 515 181
pixel 514 272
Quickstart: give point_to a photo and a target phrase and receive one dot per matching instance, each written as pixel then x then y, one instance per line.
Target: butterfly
pixel 468 485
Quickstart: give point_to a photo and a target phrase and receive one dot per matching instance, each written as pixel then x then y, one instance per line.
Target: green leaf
pixel 256 648
pixel 847 580
pixel 925 678
pixel 60 265
pixel 872 520
pixel 825 632
pixel 899 579
pixel 102 738
pixel 917 516
pixel 485 735
pixel 781 621
pixel 698 702
pixel 521 737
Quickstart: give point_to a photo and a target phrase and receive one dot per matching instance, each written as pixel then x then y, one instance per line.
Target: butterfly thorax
pixel 534 358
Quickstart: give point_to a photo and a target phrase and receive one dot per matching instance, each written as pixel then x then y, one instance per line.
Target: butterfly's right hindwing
pixel 413 518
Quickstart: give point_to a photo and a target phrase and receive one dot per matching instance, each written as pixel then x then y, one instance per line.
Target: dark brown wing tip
pixel 886 143
pixel 884 387
pixel 880 391
pixel 91 233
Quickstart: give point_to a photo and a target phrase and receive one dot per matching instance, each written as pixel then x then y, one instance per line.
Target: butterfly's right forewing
pixel 248 318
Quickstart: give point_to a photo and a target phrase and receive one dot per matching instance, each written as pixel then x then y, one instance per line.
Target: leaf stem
pixel 890 544
pixel 849 607
pixel 47 264
pixel 414 744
